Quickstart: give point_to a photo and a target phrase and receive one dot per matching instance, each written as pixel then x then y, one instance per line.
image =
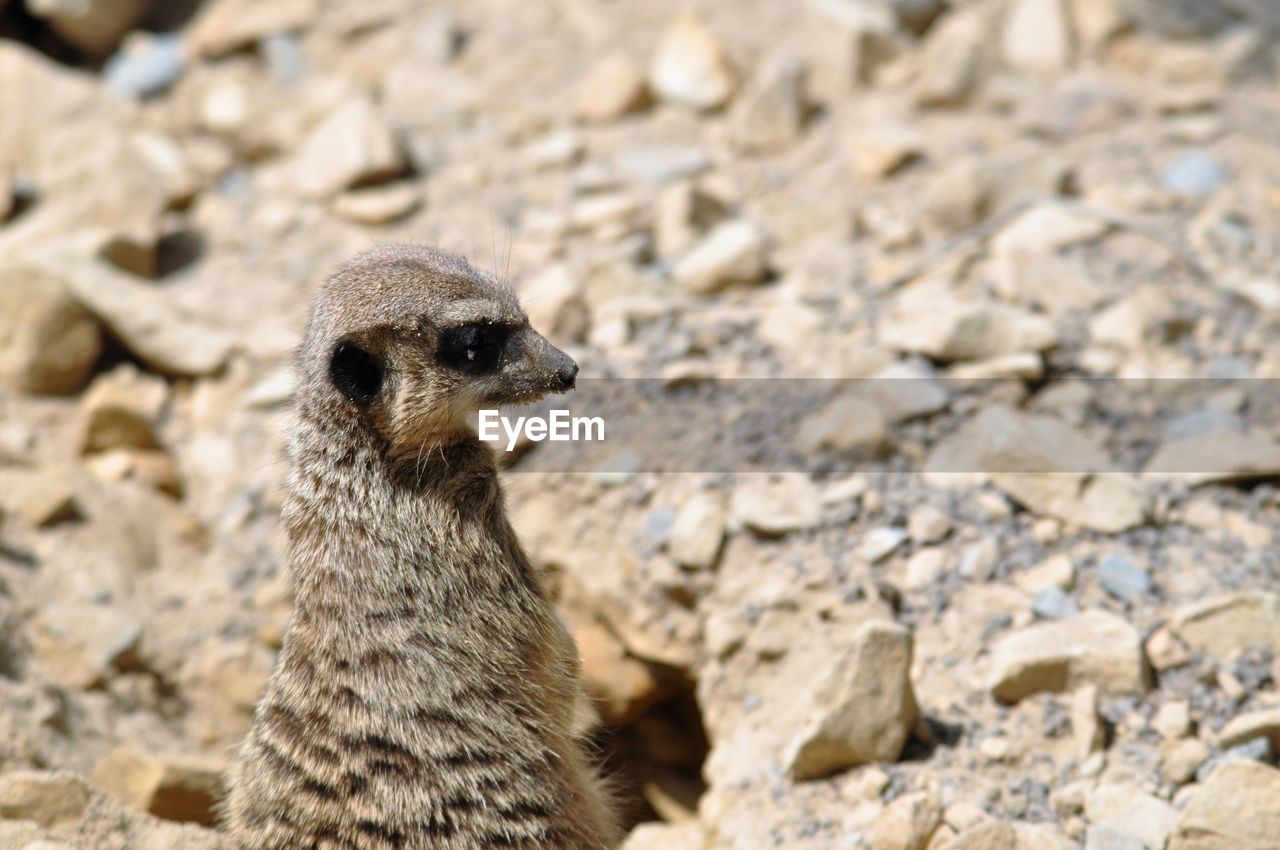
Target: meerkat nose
pixel 568 374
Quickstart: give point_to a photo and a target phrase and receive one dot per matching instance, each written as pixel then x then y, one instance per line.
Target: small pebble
pixel 1054 603
pixel 145 66
pixel 1195 173
pixel 1122 578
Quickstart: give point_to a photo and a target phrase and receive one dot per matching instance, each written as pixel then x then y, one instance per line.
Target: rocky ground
pixel 1014 597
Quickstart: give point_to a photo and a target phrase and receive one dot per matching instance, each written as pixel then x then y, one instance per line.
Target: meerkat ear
pixel 355 372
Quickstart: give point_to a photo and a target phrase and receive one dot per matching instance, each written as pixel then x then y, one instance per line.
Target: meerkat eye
pixel 355 372
pixel 473 348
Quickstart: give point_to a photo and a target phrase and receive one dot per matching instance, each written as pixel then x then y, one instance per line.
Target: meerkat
pixel 424 692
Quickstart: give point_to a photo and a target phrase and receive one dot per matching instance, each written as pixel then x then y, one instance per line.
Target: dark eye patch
pixel 474 348
pixel 355 372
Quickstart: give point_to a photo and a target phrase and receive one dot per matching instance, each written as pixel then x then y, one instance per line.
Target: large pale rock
pixel 378 204
pixel 1254 724
pixel 228 25
pixel 970 188
pixel 44 798
pixel 94 26
pixel 49 342
pixel 1225 625
pixel 880 150
pixel 150 322
pixel 555 302
pixel 665 836
pixel 1094 648
pixel 852 41
pixel 1217 457
pixel 43 497
pixel 690 66
pixel 1129 811
pixel 171 786
pixel 906 391
pixel 1037 36
pixel 773 507
pixel 1107 502
pixel 698 531
pixel 769 114
pixel 79 644
pixel 48 810
pixel 951 61
pixel 1042 463
pixel 929 320
pixel 121 410
pixel 861 709
pixel 124 219
pixel 621 685
pixel 224 680
pixel 732 253
pixel 1147 316
pixel 353 145
pixel 613 88
pixel 907 823
pixel 683 213
pixel 1046 228
pixel 992 835
pixel 1237 809
pixel 851 425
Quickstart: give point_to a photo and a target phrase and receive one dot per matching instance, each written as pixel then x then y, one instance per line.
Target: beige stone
pixel 769 114
pixel 929 320
pixel 775 506
pixel 228 25
pixel 683 213
pixel 614 87
pixel 665 836
pixel 1092 648
pixel 732 253
pixel 121 410
pixel 951 61
pixel 49 342
pixel 152 323
pixel 79 644
pixel 861 709
pixel 171 786
pixel 46 798
pixel 378 204
pixel 1225 625
pixel 690 67
pixel 1215 457
pixel 1037 36
pixel 1087 728
pixel 1238 808
pixel 907 823
pixel 881 150
pixel 1264 723
pixel 850 426
pixel 353 144
pixel 993 835
pixel 698 531
pixel 1179 760
pixel 1128 810
pixel 41 497
pixel 94 26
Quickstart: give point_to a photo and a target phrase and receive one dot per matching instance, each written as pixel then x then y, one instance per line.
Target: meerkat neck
pixel 371 536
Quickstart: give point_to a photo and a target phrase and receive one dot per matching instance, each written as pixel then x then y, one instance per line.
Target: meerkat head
pixel 410 341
